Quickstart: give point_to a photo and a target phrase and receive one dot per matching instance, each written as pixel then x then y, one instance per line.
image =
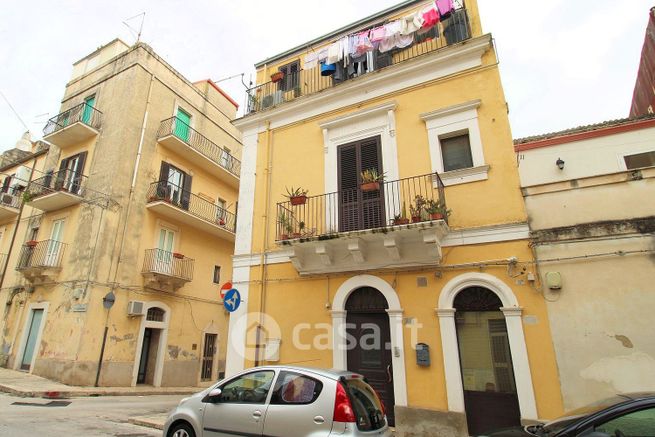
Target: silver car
pixel 282 401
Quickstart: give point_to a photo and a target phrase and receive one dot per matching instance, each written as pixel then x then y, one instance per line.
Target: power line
pixel 14 111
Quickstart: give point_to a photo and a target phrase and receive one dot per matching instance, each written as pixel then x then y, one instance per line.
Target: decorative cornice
pixel 473 104
pixel 348 118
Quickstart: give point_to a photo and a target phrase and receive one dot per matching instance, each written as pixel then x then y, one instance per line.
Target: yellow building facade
pixel 125 231
pixel 371 278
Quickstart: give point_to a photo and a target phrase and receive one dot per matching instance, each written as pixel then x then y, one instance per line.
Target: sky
pixel 563 63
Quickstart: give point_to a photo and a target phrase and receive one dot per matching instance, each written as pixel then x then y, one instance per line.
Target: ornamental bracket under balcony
pixel 356 230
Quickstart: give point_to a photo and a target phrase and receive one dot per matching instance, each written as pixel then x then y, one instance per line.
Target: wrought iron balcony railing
pixel 68 181
pixel 41 254
pixel 83 112
pixel 191 203
pixel 171 264
pixel 200 143
pixel 393 203
pixel 305 82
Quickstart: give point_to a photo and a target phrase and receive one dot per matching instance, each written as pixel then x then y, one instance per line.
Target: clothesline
pixel 396 34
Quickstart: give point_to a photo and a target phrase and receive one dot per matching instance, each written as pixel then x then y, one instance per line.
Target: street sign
pixel 225 288
pixel 232 300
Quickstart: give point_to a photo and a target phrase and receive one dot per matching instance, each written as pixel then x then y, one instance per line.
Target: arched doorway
pixel 369 342
pixel 151 345
pixel 490 396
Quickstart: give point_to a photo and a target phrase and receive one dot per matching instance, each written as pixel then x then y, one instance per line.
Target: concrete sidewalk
pixel 155 421
pixel 26 385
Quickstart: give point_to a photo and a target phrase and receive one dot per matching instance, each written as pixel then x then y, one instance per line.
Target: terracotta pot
pixel 178 255
pixel 416 219
pixel 276 77
pixel 401 221
pixel 298 200
pixel 296 235
pixel 436 216
pixel 31 243
pixel 370 186
pixel 284 236
pixel 221 222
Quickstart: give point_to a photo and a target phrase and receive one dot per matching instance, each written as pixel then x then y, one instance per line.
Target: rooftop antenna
pixel 232 77
pixel 133 30
pixel 14 111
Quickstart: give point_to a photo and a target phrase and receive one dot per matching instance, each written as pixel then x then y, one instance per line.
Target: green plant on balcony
pixel 299 232
pixel 285 221
pixel 27 196
pixel 417 210
pixel 436 209
pixel 401 219
pixel 371 179
pixel 297 196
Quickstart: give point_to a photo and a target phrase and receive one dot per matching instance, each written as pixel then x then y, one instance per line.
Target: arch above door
pixel 450 347
pixel 395 312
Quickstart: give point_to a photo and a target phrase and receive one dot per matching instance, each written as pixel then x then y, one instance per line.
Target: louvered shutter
pixel 186 191
pixel 61 175
pixel 162 186
pixel 348 188
pixel 77 177
pixel 372 204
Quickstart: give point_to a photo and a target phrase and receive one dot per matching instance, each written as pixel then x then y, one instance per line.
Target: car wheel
pixel 182 429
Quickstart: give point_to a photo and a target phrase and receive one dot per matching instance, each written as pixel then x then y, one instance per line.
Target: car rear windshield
pixel 366 405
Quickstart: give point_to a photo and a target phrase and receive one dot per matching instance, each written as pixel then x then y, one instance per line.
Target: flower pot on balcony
pixel 178 255
pixel 276 77
pixel 31 243
pixel 284 237
pixel 298 200
pixel 370 186
pixel 401 221
pixel 416 219
pixel 221 222
pixel 436 216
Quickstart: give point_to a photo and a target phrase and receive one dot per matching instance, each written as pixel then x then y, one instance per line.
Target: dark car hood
pixel 517 431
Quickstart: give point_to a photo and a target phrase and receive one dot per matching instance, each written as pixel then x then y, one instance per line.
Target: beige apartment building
pixel 132 204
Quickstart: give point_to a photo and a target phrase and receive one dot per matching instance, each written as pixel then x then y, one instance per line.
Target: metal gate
pixel 208 357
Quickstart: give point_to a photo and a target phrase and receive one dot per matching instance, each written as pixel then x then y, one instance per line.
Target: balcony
pixel 41 260
pixel 399 224
pixel 71 127
pixel 198 149
pixel 308 82
pixel 182 206
pixel 166 271
pixel 10 204
pixel 56 190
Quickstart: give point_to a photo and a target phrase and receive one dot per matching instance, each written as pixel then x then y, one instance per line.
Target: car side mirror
pixel 212 396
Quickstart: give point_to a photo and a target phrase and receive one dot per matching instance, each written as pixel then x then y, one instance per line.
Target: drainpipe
pixel 264 248
pixel 144 124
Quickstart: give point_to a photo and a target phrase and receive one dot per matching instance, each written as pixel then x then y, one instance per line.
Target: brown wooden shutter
pixel 5 184
pixel 348 188
pixel 372 201
pixel 162 186
pixel 186 191
pixel 77 178
pixel 61 175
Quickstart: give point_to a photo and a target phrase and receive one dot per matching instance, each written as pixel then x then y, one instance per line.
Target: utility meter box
pixel 423 354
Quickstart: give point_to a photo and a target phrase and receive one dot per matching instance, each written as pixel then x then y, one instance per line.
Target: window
pixel 69 177
pixel 291 74
pixel 174 185
pixel 155 315
pixel 217 275
pixel 249 389
pixel 634 424
pixel 292 388
pixel 456 152
pixel 639 160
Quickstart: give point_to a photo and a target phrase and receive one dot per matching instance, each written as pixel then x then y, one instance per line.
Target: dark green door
pixel 87 112
pixel 182 122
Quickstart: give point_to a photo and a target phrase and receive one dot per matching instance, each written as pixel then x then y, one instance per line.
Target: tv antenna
pixel 134 31
pixel 13 110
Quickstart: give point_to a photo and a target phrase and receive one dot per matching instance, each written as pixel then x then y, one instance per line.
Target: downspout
pixel 264 247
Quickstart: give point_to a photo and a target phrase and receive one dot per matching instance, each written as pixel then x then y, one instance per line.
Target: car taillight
pixel 343 410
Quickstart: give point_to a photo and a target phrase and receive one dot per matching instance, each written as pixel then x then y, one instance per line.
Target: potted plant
pixel 416 210
pixel 221 221
pixel 371 180
pixel 277 76
pixel 298 234
pixel 286 226
pixel 27 196
pixel 437 209
pixel 297 196
pixel 401 219
pixel 31 243
pixel 178 255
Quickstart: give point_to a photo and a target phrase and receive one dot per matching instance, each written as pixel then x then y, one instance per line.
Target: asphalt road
pixel 99 416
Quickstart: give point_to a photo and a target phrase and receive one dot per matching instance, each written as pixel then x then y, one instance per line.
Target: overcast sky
pixel 563 63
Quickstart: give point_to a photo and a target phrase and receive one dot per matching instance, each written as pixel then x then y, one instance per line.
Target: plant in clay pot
pixel 436 209
pixel 297 196
pixel 401 219
pixel 371 180
pixel 417 209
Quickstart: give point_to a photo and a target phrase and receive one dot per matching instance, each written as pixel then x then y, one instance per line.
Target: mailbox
pixel 422 354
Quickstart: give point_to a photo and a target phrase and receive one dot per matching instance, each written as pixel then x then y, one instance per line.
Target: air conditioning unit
pixel 135 308
pixel 7 199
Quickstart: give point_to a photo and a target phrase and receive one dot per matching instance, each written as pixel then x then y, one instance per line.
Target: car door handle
pixel 319 420
pixel 257 415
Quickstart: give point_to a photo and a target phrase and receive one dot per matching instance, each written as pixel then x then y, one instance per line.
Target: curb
pixel 148 422
pixel 90 393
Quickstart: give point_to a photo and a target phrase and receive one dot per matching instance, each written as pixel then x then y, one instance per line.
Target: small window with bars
pixel 155 315
pixel 217 275
pixel 291 72
pixel 639 160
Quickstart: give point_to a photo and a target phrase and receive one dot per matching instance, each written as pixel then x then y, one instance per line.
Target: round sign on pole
pixel 225 288
pixel 232 300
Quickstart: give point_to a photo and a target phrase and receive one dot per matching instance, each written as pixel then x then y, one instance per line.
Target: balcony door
pixel 176 185
pixel 359 209
pixel 87 113
pixel 165 247
pixel 54 245
pixel 182 123
pixel 70 173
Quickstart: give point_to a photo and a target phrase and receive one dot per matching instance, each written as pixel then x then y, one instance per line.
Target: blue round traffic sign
pixel 232 300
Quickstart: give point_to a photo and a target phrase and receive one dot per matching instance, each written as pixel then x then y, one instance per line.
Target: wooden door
pixel 358 209
pixel 369 352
